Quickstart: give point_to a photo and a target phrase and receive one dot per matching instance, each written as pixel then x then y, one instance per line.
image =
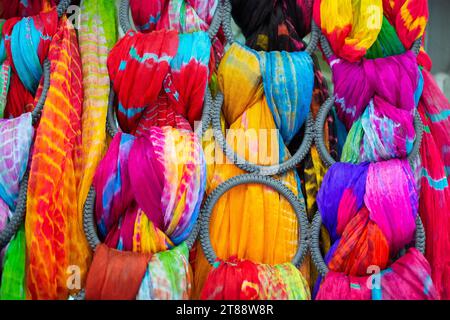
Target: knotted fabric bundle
pixel 273 25
pixel 149 189
pixel 237 279
pixel 53 226
pixel 408 278
pixel 256 104
pixel 27 42
pixel 351 26
pixel 173 73
pixel 24 8
pixel 369 211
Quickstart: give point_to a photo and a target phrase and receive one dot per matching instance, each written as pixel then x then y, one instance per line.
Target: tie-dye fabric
pixel 167 161
pixel 54 233
pixel 27 42
pixel 24 8
pixel 370 210
pixel 408 278
pixel 175 66
pixel 351 26
pixel 237 279
pixel 168 276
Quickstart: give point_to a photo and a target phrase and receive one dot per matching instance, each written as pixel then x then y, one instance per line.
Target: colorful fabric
pixel 26 57
pixel 167 161
pixel 351 26
pixel 370 211
pixel 24 8
pixel 237 279
pixel 273 25
pixel 97 35
pixel 168 276
pixel 175 65
pixel 115 275
pixel 243 79
pixel 54 233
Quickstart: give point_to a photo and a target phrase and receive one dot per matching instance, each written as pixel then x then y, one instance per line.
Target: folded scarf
pixel 273 25
pixel 26 57
pixel 168 276
pixel 167 161
pixel 351 26
pixel 254 103
pixel 369 211
pixel 97 35
pixel 54 232
pixel 237 279
pixel 408 278
pixel 115 275
pixel 173 74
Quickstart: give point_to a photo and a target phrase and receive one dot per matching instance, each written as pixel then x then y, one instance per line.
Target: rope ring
pixel 325 155
pixel 317 258
pixel 226 24
pixel 126 21
pixel 90 230
pixel 243 164
pixel 297 204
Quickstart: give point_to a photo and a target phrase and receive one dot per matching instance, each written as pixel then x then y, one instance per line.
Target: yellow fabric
pixel 250 221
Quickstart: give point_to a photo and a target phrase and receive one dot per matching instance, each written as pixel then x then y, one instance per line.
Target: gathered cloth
pixel 24 8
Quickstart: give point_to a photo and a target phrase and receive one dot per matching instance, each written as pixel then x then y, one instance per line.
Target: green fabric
pixel 387 44
pixel 351 150
pixel 13 276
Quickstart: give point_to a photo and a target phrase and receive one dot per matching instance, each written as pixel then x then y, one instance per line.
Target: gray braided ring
pixel 62 7
pixel 325 155
pixel 127 24
pixel 19 214
pixel 90 230
pixel 243 164
pixel 328 51
pixel 319 261
pixel 226 24
pixel 297 204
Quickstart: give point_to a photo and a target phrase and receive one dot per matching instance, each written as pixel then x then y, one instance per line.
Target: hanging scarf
pixel 273 25
pixel 24 8
pixel 237 279
pixel 167 161
pixel 172 71
pixel 54 233
pixel 351 26
pixel 5 73
pixel 409 18
pixel 97 35
pixel 255 102
pixel 115 275
pixel 168 276
pixel 26 57
pixel 408 278
pixel 370 211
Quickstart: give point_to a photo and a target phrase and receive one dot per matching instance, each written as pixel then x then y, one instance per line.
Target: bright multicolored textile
pixel 237 279
pixel 173 74
pixel 253 103
pixel 96 36
pixel 408 278
pixel 16 136
pixel 114 274
pixel 273 25
pixel 27 42
pixel 54 233
pixel 168 276
pixel 167 161
pixel 24 8
pixel 369 211
pixel 351 26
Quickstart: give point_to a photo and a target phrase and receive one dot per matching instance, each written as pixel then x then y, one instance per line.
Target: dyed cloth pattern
pixel 237 279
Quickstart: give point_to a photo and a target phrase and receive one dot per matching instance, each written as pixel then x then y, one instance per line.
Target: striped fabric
pixel 54 234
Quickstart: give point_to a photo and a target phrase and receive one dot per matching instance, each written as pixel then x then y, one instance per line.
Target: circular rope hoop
pixel 126 21
pixel 320 141
pixel 297 205
pixel 318 259
pixel 228 31
pixel 90 230
pixel 242 163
